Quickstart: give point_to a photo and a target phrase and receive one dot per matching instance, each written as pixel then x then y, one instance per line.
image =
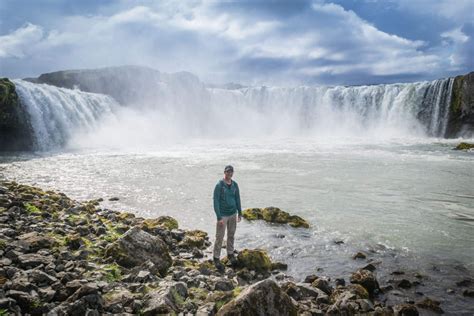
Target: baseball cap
pixel 228 168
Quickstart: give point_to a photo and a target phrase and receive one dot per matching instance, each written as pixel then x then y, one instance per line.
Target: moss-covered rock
pixel 166 222
pixel 194 239
pixel 252 214
pixel 355 290
pixel 15 129
pixel 274 215
pixel 296 221
pixel 136 247
pixel 262 298
pixel 464 146
pixel 254 259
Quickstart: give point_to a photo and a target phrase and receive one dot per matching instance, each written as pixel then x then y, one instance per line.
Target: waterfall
pixel 56 113
pixel 183 109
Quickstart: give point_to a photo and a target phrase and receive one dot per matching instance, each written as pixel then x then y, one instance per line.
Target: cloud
pixel 461 46
pixel 18 44
pixel 252 43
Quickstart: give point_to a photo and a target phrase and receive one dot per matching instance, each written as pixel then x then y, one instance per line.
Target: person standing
pixel 228 212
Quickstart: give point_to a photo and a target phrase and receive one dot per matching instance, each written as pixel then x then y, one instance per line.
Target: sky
pixel 339 42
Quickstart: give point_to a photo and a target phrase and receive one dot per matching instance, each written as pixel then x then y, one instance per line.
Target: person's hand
pixel 239 218
pixel 220 221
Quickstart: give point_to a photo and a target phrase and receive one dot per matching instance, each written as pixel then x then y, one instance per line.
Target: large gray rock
pixel 262 298
pixel 167 299
pixel 33 241
pixel 136 247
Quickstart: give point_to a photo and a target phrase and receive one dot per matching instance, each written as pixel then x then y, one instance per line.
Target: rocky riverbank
pixel 64 257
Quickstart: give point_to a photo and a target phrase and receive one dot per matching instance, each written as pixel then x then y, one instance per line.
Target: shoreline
pixel 80 257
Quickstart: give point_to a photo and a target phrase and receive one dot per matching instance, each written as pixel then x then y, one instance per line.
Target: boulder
pixel 136 247
pixel 252 214
pixel 464 146
pixel 323 285
pixel 297 222
pixel 405 310
pixel 166 222
pixel 365 278
pixel 194 239
pixel 274 215
pixel 167 299
pixel 33 241
pixel 262 298
pixel 429 304
pixel 254 259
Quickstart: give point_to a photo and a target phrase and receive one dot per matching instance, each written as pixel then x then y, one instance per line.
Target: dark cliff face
pixel 461 112
pixel 15 130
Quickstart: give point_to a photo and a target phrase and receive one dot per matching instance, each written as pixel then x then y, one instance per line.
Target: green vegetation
pixel 30 208
pixel 113 272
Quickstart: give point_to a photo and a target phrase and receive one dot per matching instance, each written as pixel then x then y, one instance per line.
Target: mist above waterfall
pixel 180 108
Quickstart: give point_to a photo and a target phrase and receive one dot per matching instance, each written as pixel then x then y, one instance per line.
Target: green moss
pixel 124 216
pixel 3 244
pixel 252 214
pixel 198 294
pixel 177 298
pixel 464 146
pixel 275 215
pixel 60 239
pixel 113 272
pixel 255 259
pixel 36 304
pixel 30 208
pixel 167 222
pixel 236 291
pixel 296 221
pixel 3 312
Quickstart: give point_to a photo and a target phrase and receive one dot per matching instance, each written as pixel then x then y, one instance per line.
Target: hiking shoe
pixel 232 259
pixel 218 264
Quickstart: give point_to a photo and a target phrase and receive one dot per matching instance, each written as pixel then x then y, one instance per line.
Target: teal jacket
pixel 226 199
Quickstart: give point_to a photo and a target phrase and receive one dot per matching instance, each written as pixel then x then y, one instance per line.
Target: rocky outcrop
pixel 464 146
pixel 262 298
pixel 274 215
pixel 59 256
pixel 15 130
pixel 136 247
pixel 461 110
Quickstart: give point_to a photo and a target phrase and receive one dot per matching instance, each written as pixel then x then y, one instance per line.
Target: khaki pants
pixel 231 223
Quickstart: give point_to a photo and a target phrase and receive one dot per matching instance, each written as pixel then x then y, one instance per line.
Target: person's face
pixel 228 174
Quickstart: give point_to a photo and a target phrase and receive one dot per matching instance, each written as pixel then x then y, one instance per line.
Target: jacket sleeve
pixel 216 201
pixel 237 199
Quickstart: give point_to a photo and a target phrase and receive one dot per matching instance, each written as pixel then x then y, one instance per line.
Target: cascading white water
pixel 185 108
pixel 57 113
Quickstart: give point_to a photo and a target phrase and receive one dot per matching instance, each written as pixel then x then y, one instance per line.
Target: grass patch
pixel 30 208
pixel 113 272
